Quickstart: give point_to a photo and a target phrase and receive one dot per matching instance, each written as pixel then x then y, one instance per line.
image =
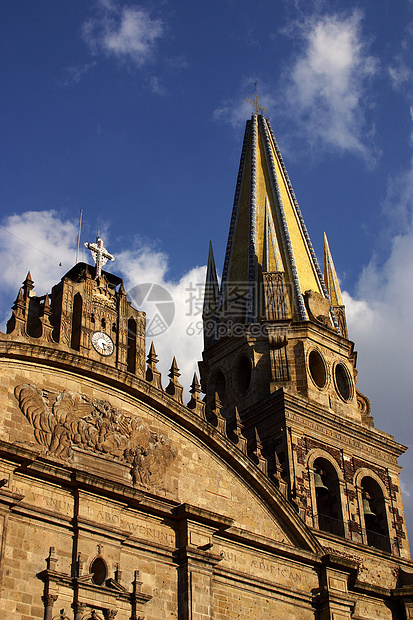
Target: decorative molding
pixel 275 296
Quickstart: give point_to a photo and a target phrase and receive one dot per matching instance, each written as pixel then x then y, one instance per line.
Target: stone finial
pixel 118 574
pixel 278 474
pixel 196 404
pixel 79 565
pixel 219 422
pixel 47 327
pixel 28 285
pixel 19 304
pixel 51 560
pixel 257 453
pixel 137 584
pixel 241 441
pixel 174 388
pixel 153 375
pixel 17 322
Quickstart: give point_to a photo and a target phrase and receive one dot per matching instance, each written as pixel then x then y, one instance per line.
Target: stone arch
pixel 327 492
pixel 374 506
pixel 242 374
pixel 93 615
pixel 219 384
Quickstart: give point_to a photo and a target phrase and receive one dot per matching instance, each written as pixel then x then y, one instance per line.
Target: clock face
pixel 102 343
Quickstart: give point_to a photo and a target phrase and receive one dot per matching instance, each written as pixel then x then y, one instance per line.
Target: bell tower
pixel 279 368
pixel 87 313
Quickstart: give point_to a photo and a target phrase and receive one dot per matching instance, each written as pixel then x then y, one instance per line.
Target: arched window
pixel 374 513
pixel 131 345
pixel 76 321
pixel 220 386
pixel 327 491
pixel 243 375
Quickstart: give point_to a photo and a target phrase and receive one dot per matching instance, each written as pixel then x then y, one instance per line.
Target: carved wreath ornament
pixel 67 420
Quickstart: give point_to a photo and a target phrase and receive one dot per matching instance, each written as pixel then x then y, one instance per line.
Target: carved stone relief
pixel 66 420
pixel 318 307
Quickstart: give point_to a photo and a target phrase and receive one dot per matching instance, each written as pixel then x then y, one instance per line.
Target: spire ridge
pixel 330 275
pixel 333 288
pixel 211 295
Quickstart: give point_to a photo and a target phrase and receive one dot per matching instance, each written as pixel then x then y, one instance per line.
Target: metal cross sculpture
pixel 255 103
pixel 100 255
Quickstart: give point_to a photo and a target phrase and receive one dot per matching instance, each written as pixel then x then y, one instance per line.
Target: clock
pixel 102 343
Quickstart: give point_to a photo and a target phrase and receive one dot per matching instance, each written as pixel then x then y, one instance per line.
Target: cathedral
pixel 265 493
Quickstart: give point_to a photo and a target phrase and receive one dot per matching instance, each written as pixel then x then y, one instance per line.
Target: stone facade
pixel 273 497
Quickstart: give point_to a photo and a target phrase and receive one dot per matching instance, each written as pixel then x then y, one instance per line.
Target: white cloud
pixel 400 73
pixel 380 322
pixel 125 32
pixel 326 86
pixel 156 86
pixel 74 73
pixel 36 241
pixel 183 339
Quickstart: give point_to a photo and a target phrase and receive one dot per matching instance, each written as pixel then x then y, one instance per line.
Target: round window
pixel 343 382
pixel 98 569
pixel 317 369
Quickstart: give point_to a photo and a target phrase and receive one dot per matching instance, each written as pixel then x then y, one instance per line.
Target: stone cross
pixel 100 255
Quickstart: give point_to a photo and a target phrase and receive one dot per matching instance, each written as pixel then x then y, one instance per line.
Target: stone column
pixel 332 599
pixel 197 560
pixel 49 600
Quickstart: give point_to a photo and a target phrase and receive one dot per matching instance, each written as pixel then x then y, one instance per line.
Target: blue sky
pixel 135 113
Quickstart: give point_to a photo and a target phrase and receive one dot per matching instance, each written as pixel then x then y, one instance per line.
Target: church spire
pixel 333 288
pixel 210 298
pixel 330 276
pixel 268 234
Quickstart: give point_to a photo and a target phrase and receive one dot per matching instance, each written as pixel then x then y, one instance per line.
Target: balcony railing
pixel 374 539
pixel 328 524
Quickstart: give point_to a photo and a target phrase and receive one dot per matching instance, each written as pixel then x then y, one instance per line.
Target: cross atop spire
pixel 100 255
pixel 255 103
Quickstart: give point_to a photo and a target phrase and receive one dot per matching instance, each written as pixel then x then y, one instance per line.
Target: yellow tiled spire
pixel 267 231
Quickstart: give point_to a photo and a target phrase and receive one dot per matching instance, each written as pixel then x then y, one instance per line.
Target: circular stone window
pixel 243 375
pixel 317 369
pixel 343 382
pixel 99 571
